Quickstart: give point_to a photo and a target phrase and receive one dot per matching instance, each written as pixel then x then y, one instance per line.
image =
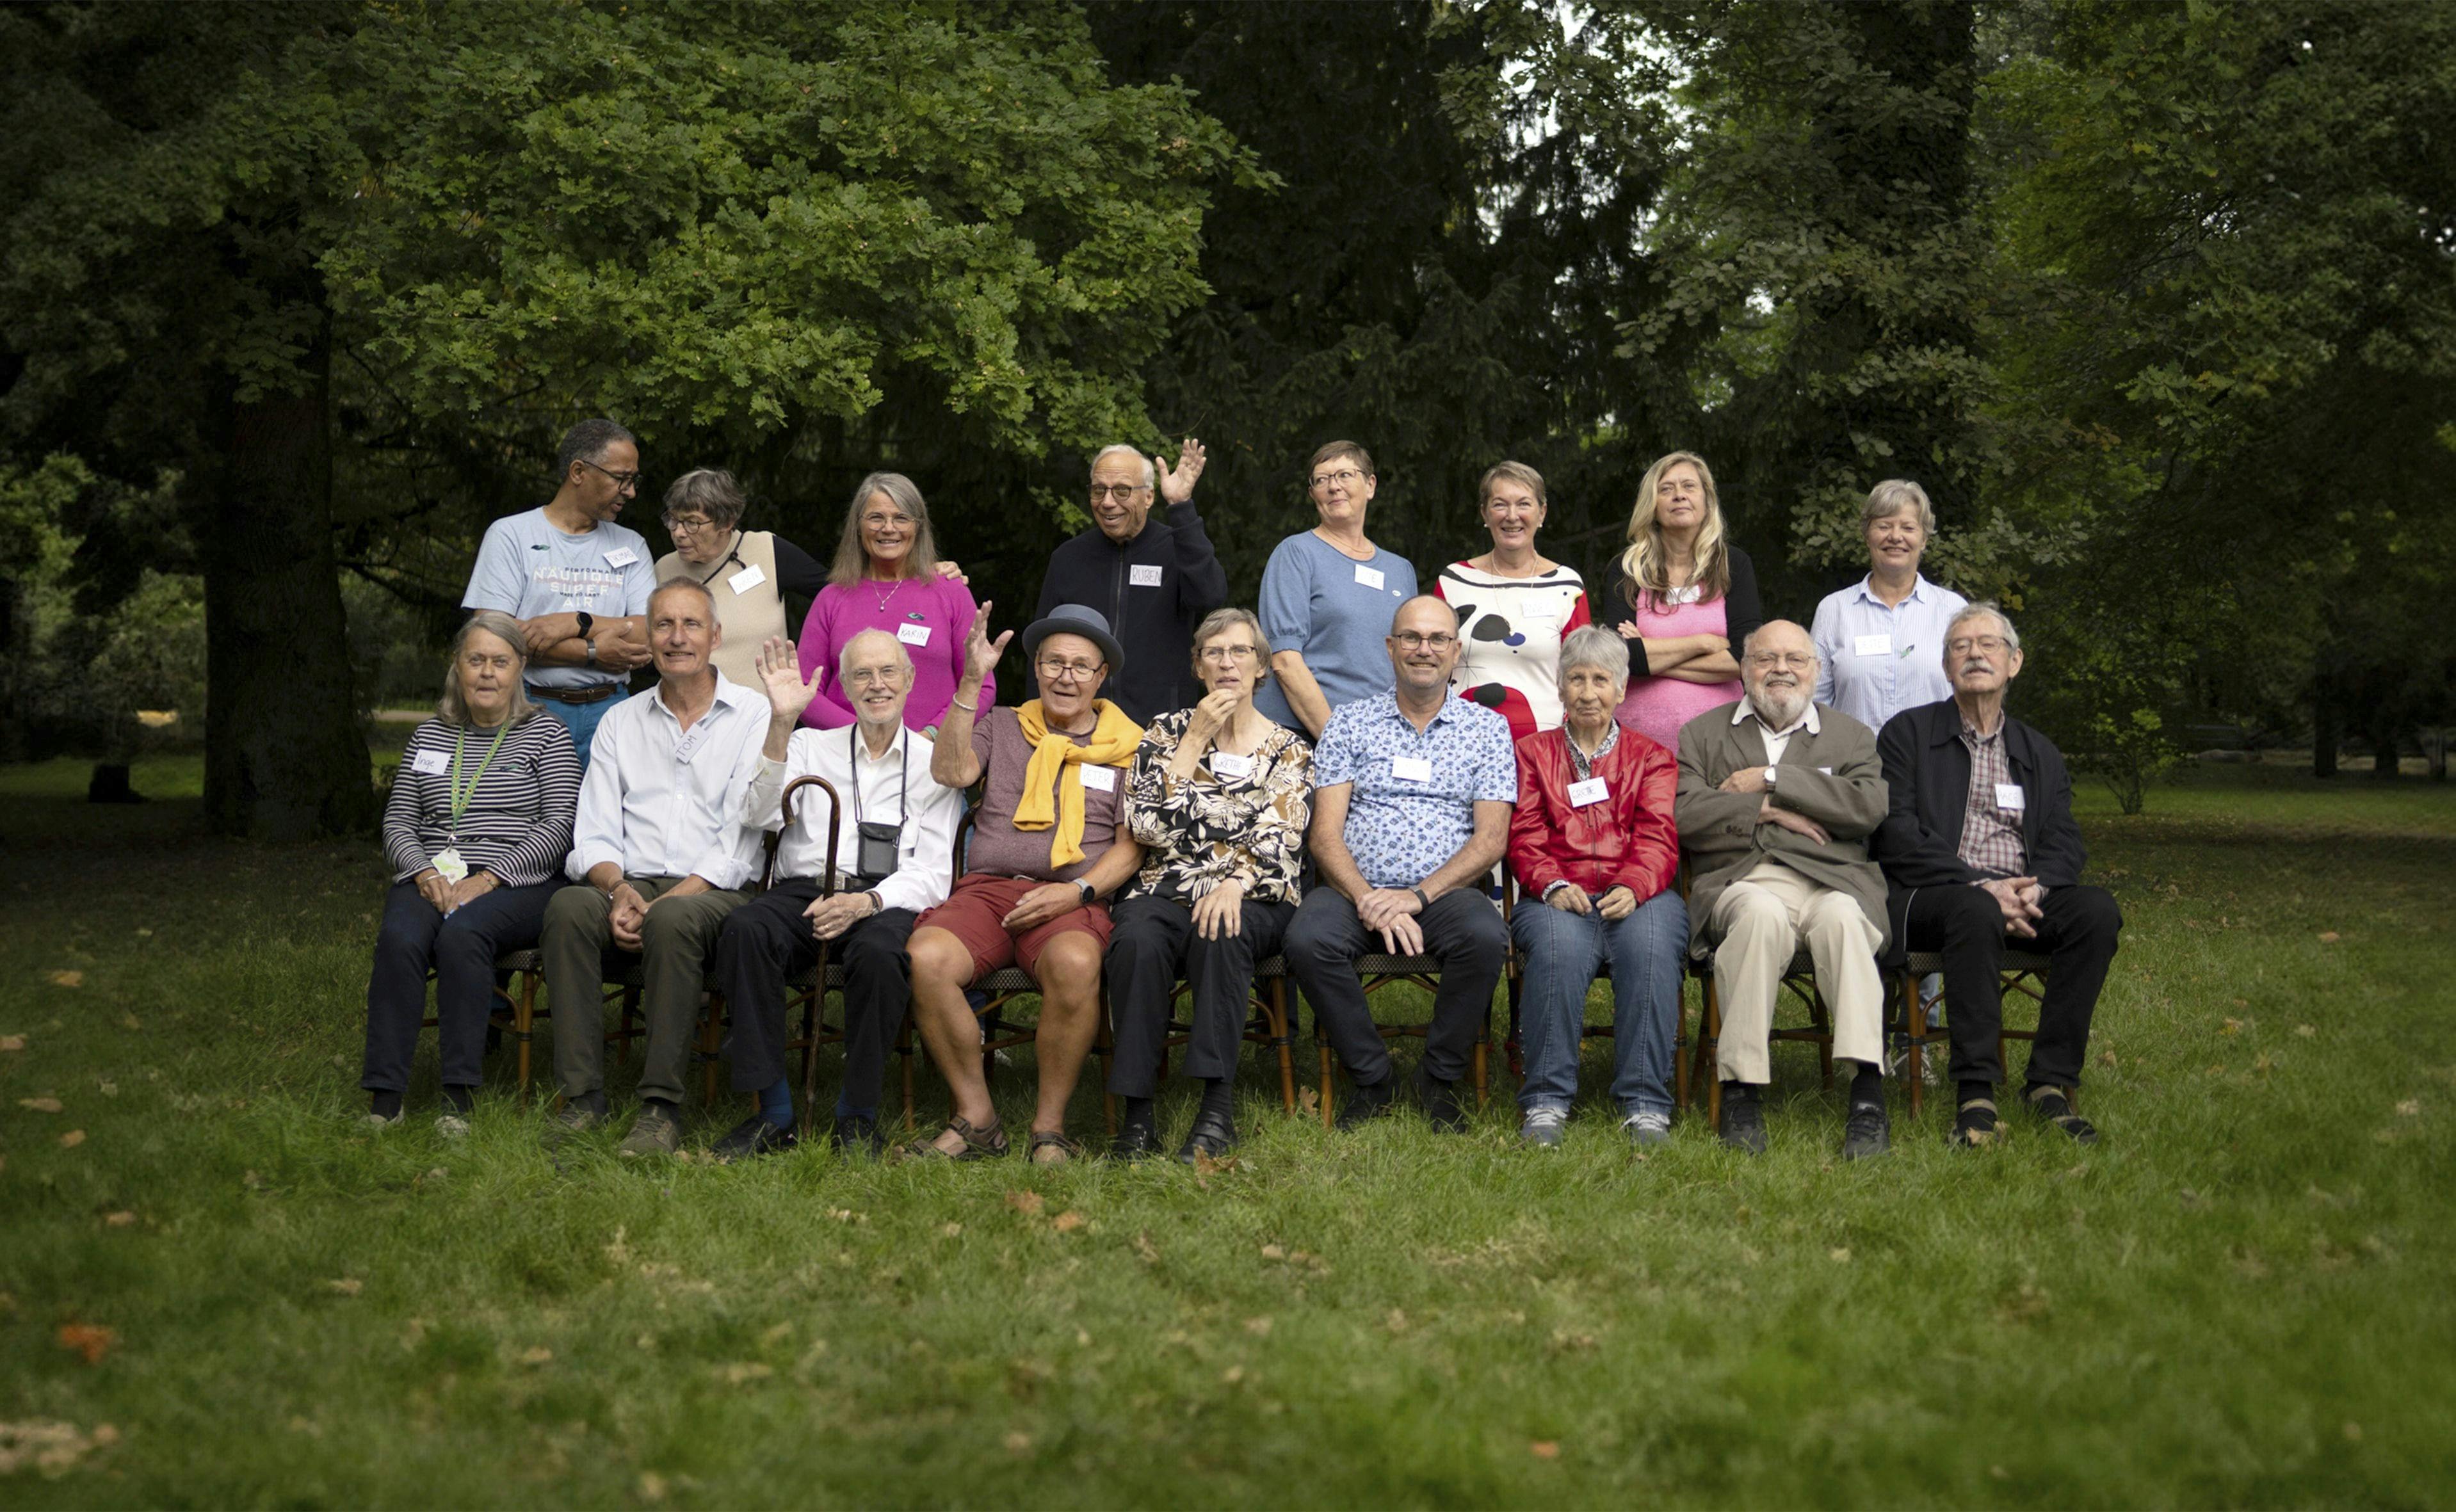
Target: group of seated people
pixel 1241 786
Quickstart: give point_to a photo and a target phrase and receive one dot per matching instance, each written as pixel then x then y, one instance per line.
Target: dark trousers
pixel 1965 924
pixel 1463 930
pixel 461 950
pixel 1153 942
pixel 767 940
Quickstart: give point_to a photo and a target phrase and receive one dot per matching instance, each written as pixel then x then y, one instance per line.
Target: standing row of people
pixel 1200 824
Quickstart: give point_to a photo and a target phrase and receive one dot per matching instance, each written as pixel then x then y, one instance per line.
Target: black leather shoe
pixel 1134 1141
pixel 858 1135
pixel 1440 1102
pixel 1365 1104
pixel 753 1135
pixel 1212 1136
pixel 1868 1132
pixel 1743 1125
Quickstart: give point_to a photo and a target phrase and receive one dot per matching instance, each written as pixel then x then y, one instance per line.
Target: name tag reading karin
pixel 1412 768
pixel 1100 779
pixel 621 556
pixel 1144 577
pixel 2008 795
pixel 430 763
pixel 1370 576
pixel 1872 644
pixel 912 634
pixel 1590 792
pixel 748 579
pixel 1227 765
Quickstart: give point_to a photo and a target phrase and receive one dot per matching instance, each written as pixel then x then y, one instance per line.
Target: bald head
pixel 1424 648
pixel 876 673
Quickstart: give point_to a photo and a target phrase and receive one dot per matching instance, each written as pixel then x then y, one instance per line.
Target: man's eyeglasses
pixel 1802 659
pixel 1347 476
pixel 1964 644
pixel 1068 671
pixel 1222 655
pixel 875 677
pixel 622 481
pixel 1410 640
pixel 1120 492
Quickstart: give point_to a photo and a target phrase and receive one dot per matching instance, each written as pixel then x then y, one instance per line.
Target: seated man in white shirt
pixel 895 857
pixel 661 856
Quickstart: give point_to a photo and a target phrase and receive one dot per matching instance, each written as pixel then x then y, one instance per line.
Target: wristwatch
pixel 1089 892
pixel 1421 902
pixel 1769 775
pixel 588 621
pixel 877 904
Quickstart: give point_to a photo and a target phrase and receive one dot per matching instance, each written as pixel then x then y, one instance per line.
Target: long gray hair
pixel 852 558
pixel 452 709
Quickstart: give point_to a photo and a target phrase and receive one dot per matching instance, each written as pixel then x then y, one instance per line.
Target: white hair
pixel 1593 645
pixel 1151 475
pixel 844 657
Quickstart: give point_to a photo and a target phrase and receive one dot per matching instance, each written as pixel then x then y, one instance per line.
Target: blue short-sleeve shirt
pixel 527 567
pixel 1335 611
pixel 1404 819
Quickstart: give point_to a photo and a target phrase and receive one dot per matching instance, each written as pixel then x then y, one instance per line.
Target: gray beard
pixel 1775 711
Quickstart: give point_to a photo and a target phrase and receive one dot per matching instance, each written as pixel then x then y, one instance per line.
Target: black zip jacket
pixel 1926 774
pixel 1153 619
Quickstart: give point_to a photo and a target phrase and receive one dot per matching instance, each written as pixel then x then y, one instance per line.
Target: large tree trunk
pixel 284 759
pixel 2323 727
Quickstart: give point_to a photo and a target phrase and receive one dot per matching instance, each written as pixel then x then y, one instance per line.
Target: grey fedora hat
pixel 1076 619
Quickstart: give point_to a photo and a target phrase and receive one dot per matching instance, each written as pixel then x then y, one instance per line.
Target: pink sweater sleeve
pixel 818 649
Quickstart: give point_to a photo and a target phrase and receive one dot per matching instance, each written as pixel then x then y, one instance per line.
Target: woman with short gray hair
pixel 475 828
pixel 1594 850
pixel 1880 643
pixel 758 579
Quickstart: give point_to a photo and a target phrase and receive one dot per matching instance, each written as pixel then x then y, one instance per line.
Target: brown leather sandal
pixel 979 1144
pixel 1069 1149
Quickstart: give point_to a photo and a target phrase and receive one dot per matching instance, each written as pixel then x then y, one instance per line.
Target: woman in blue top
pixel 477 828
pixel 1328 598
pixel 1880 642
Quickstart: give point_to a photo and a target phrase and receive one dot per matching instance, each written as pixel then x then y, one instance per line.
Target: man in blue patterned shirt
pixel 1412 793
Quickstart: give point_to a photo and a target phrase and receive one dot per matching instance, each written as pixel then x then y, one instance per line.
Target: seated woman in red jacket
pixel 1595 850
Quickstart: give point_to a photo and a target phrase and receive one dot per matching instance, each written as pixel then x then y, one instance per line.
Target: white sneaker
pixel 1541 1127
pixel 377 1120
pixel 451 1126
pixel 1647 1130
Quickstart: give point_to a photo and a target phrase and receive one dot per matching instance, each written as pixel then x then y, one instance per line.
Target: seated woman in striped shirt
pixel 477 826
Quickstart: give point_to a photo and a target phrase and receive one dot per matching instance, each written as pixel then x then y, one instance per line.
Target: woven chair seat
pixel 1927 962
pixel 1397 964
pixel 521 961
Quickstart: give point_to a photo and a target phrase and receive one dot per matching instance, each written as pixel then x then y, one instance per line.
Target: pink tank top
pixel 1658 707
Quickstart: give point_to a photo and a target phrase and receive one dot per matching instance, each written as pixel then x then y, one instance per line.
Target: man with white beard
pixel 1778 796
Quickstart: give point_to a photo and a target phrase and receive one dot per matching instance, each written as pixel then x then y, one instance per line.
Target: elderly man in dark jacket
pixel 1153 579
pixel 1981 853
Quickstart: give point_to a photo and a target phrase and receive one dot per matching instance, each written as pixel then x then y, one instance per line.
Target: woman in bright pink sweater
pixel 886 576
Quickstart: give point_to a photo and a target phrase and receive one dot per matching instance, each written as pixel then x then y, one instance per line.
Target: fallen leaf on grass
pixel 128 1021
pixel 119 1221
pixel 1309 1102
pixel 2232 1026
pixel 1027 1203
pixel 1544 1449
pixel 2329 936
pixel 1396 1322
pixel 2106 1058
pixel 92 1340
pixel 652 1487
pixel 1204 1165
pixel 1273 1252
pixel 2353 1433
pixel 49 1445
pixel 847 1215
pixel 67 979
pixel 2411 1107
pixel 1999 1472
pixel 346 1285
pixel 951 1229
pixel 39 1104
pixel 538 1356
pixel 1019 1442
pixel 1840 1255
pixel 742 1371
pixel 1068 1221
pixel 2304 1030
pixel 1145 1248
pixel 72 1138
pixel 12 1042
pixel 1258 1325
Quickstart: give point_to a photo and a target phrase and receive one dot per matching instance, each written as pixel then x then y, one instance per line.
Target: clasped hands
pixel 1391 913
pixel 1617 903
pixel 2021 899
pixel 447 896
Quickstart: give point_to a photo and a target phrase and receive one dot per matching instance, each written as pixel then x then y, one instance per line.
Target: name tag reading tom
pixel 1370 576
pixel 1100 779
pixel 621 556
pixel 912 634
pixel 1144 577
pixel 748 579
pixel 430 763
pixel 1412 768
pixel 1590 792
pixel 2008 795
pixel 1229 766
pixel 1872 644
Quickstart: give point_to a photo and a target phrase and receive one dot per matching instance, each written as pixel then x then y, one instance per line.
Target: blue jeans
pixel 1564 951
pixel 581 719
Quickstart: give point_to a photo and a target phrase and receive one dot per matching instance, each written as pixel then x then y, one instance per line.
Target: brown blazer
pixel 1832 776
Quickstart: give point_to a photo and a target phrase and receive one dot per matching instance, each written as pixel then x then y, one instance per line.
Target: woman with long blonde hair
pixel 1683 598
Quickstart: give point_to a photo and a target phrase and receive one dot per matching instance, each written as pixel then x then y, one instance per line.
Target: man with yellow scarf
pixel 1048 844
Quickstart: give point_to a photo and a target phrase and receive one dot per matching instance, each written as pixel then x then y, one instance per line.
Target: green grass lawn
pixel 2241 1296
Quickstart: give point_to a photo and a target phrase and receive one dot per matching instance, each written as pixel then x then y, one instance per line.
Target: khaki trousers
pixel 1756 927
pixel 675 944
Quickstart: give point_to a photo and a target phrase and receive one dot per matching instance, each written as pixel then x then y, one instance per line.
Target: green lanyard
pixel 461 799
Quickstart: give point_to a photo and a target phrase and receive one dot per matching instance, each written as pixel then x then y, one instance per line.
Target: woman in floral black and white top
pixel 1219 798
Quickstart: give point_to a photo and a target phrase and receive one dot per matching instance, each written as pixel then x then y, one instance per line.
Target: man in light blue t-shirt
pixel 1328 598
pixel 578 582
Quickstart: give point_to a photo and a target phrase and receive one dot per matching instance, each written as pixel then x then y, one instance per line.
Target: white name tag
pixel 912 634
pixel 2008 795
pixel 1224 765
pixel 1590 792
pixel 1826 770
pixel 1412 768
pixel 748 579
pixel 1872 644
pixel 451 868
pixel 621 556
pixel 1100 779
pixel 1144 577
pixel 1370 576
pixel 1687 595
pixel 432 763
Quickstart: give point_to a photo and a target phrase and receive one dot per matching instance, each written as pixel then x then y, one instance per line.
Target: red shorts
pixel 971 913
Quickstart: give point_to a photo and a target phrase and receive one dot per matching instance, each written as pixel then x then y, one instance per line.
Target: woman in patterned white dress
pixel 1515 608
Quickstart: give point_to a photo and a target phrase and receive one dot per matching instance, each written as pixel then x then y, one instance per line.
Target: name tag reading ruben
pixel 1590 792
pixel 1226 765
pixel 748 579
pixel 2008 795
pixel 1872 644
pixel 1100 779
pixel 430 763
pixel 1412 768
pixel 912 634
pixel 1144 577
pixel 1370 576
pixel 621 556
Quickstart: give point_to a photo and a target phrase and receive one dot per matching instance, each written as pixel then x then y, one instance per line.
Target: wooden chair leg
pixel 1326 1087
pixel 1276 1009
pixel 1913 1030
pixel 524 1024
pixel 1481 1093
pixel 1710 1039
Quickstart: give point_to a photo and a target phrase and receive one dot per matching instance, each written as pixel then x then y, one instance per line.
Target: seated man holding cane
pixel 896 842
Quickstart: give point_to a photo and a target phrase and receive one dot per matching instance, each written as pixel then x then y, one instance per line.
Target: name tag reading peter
pixel 748 579
pixel 430 763
pixel 1144 577
pixel 1100 779
pixel 1412 768
pixel 1370 576
pixel 621 556
pixel 2008 796
pixel 912 634
pixel 1872 644
pixel 1592 790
